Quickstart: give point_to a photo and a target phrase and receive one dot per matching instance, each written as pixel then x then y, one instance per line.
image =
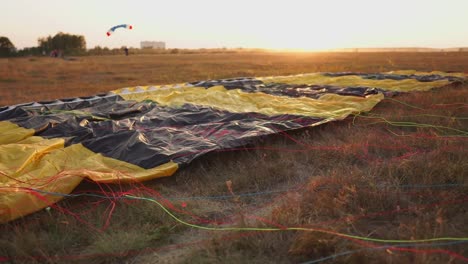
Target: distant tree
pixel 68 43
pixel 6 47
pixel 97 50
pixel 34 51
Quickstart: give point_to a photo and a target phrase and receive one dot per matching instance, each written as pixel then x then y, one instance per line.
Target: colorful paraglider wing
pixel 112 29
pixel 141 133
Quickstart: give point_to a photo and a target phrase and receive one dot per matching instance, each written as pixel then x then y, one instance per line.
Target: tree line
pixel 61 43
pixel 64 44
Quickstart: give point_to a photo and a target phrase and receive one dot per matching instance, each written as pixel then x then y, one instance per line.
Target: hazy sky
pixel 291 24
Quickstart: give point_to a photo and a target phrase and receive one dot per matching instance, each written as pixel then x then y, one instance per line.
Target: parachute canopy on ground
pixel 112 29
pixel 145 132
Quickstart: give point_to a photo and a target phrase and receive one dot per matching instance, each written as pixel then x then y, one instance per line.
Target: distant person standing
pixel 126 51
pixel 54 53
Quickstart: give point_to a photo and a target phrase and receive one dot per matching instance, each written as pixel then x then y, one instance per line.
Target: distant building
pixel 153 45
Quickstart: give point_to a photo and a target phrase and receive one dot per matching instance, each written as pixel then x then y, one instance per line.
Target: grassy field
pixel 397 173
pixel 41 78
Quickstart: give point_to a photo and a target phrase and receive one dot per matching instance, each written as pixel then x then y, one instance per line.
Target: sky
pixel 273 24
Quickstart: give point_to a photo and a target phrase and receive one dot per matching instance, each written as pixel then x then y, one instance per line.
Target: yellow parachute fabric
pixel 12 133
pixel 329 106
pixel 406 85
pixel 34 163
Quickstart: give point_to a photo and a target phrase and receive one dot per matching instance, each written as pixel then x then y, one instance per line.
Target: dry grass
pixel 370 185
pixel 357 176
pixel 41 78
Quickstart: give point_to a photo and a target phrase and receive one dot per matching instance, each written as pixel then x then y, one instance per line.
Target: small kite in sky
pixel 112 29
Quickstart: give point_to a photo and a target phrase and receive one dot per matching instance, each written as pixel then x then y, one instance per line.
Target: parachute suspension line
pixel 412 124
pixel 294 228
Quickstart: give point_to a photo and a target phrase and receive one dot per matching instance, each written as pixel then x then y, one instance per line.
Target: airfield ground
pixel 397 173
